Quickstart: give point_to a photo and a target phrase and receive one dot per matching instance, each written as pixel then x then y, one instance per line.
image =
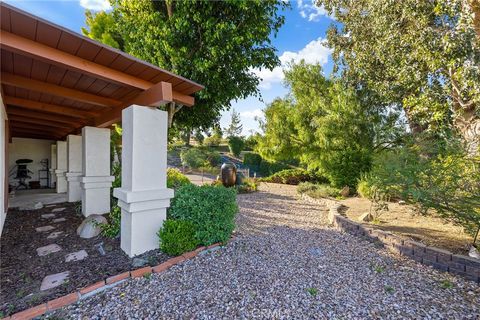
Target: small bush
pixel 252 159
pixel 248 185
pixel 211 209
pixel 235 144
pixel 318 190
pixel 112 228
pixel 364 188
pixel 193 158
pixel 268 168
pixel 176 179
pixel 177 237
pixel 294 176
pixel 213 140
pixel 213 157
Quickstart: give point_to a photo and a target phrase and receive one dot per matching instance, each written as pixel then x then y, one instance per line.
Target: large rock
pixel 90 227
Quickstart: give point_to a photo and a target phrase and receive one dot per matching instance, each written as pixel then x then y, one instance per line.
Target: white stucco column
pixel 61 168
pixel 74 165
pixel 53 165
pixel 143 197
pixel 96 180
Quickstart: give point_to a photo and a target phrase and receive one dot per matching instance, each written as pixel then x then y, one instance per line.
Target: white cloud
pixel 96 5
pixel 309 10
pixel 252 114
pixel 314 52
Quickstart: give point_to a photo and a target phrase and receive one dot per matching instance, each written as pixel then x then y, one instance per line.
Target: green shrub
pixel 318 190
pixel 252 159
pixel 235 144
pixel 177 237
pixel 268 168
pixel 213 157
pixel 294 176
pixel 193 158
pixel 248 185
pixel 112 228
pixel 211 209
pixel 176 179
pixel 364 187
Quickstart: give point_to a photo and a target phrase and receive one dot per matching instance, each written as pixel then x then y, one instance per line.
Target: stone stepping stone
pixel 54 280
pixel 51 248
pixel 50 205
pixel 48 215
pixel 45 228
pixel 54 235
pixel 76 256
pixel 59 220
pixel 58 209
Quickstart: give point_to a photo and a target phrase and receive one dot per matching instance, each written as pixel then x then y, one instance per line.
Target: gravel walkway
pixel 285 263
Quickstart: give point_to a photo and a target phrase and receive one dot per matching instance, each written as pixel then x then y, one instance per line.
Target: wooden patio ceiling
pixel 55 81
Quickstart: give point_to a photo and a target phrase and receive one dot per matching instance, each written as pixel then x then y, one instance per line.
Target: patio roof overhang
pixel 55 81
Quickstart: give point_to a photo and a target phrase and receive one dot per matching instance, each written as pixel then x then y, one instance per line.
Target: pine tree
pixel 235 128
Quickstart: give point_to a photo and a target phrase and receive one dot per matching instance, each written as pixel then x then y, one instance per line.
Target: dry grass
pixel 402 220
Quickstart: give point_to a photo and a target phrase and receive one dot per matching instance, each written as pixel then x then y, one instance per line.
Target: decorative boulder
pixel 90 227
pixel 366 217
pixel 345 192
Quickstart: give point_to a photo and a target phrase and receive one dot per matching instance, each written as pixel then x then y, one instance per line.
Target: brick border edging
pixel 105 284
pixel 437 258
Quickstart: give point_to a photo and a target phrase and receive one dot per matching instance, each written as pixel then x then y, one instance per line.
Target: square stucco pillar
pixel 74 164
pixel 96 180
pixel 143 197
pixel 61 169
pixel 53 165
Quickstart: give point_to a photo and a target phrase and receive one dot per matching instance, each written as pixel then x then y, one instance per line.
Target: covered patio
pixel 59 86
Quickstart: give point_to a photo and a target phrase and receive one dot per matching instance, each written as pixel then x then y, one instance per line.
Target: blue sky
pixel 301 37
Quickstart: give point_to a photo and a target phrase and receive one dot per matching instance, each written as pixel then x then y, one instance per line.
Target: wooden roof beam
pixel 54 56
pixel 27 135
pixel 28 125
pixel 157 95
pixel 40 122
pixel 73 122
pixel 47 107
pixel 59 91
pixel 35 133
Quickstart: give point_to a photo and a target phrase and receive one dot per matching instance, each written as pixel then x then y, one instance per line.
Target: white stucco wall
pixel 34 149
pixel 3 207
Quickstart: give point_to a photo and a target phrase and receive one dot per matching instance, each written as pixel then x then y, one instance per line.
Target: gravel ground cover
pixel 286 263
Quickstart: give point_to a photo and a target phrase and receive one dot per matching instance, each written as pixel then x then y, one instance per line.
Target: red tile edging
pixel 112 280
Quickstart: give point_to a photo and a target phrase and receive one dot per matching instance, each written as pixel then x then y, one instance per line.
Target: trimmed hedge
pixel 211 209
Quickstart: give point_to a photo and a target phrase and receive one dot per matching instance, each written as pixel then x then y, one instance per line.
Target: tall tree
pixel 215 43
pixel 423 56
pixel 235 128
pixel 322 124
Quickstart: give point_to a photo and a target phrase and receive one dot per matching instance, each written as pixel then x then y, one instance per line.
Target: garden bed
pixel 402 220
pixel 22 269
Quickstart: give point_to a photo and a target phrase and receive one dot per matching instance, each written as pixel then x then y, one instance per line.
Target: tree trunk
pixel 475 5
pixel 468 124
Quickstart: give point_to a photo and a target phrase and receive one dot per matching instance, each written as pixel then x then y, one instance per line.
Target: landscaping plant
pixel 211 209
pixel 318 190
pixel 235 144
pixel 176 179
pixel 294 177
pixel 177 237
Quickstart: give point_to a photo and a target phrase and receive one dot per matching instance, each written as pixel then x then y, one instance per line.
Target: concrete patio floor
pixel 26 199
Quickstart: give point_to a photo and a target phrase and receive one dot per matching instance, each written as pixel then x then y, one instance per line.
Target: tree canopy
pixel 423 56
pixel 215 43
pixel 321 124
